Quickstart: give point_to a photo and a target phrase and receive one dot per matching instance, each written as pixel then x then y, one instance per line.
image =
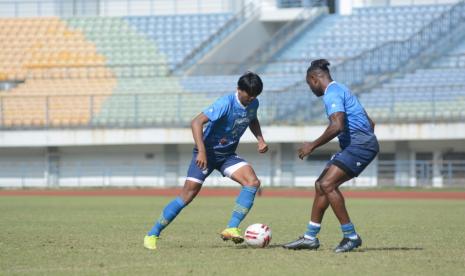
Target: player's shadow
pixel 367 249
pixel 364 249
pixel 243 246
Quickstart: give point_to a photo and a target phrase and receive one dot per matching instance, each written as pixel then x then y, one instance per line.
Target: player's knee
pixel 254 182
pixel 188 194
pixel 188 199
pixel 326 186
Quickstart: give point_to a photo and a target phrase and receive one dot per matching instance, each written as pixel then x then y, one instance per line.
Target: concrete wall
pixel 166 165
pixel 160 157
pixel 67 8
pixel 236 48
pixel 367 3
pixel 273 134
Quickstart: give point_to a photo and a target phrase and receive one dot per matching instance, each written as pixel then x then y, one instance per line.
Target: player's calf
pixel 244 203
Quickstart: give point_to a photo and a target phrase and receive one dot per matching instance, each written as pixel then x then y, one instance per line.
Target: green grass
pixel 103 235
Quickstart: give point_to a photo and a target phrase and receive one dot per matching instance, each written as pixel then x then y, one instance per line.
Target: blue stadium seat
pixel 338 37
pixel 178 35
pixel 436 92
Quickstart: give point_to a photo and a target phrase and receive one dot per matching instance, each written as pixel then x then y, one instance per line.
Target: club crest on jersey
pixel 241 122
pixel 223 141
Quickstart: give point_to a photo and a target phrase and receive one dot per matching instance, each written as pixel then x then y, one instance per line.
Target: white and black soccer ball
pixel 258 235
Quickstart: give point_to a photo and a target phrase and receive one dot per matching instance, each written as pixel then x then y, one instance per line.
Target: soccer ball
pixel 258 235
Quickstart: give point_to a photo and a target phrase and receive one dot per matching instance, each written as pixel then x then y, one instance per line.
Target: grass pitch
pixel 103 235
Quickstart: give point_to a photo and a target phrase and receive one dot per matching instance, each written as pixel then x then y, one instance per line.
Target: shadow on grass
pixel 361 250
pixel 390 249
pixel 244 246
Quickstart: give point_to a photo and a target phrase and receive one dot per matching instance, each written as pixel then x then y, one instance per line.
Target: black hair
pixel 319 64
pixel 250 83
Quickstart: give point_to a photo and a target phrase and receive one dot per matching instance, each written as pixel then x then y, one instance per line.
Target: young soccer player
pixel 226 119
pixel 359 146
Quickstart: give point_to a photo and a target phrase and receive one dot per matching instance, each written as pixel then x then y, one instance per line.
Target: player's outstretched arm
pixel 257 132
pixel 197 131
pixel 335 127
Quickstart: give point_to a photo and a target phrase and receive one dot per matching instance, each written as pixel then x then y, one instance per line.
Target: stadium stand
pixel 178 35
pixel 432 93
pixel 339 37
pixel 115 71
pixel 46 46
pixel 82 56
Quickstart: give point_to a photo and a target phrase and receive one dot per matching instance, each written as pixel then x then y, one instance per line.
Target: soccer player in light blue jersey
pixel 215 147
pixel 348 121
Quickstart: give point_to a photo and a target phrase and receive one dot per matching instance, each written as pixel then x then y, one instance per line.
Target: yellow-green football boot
pixel 150 242
pixel 233 234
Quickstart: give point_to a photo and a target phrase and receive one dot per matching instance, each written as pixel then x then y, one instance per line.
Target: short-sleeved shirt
pixel 357 130
pixel 228 120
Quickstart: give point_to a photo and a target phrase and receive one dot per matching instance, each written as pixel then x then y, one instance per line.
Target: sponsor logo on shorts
pixel 205 171
pixel 359 164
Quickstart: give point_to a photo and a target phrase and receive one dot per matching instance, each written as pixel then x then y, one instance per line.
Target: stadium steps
pixel 339 37
pixel 370 80
pixel 434 92
pixel 308 17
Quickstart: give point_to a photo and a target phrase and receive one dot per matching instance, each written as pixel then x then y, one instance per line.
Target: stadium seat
pixel 338 37
pixel 435 92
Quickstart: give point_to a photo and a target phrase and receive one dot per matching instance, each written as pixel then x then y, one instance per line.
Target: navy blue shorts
pixel 355 158
pixel 227 164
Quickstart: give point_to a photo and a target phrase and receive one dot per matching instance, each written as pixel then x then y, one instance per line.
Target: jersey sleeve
pixel 217 110
pixel 334 102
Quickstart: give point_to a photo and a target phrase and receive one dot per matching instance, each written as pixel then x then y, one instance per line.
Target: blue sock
pixel 169 213
pixel 349 231
pixel 312 230
pixel 244 203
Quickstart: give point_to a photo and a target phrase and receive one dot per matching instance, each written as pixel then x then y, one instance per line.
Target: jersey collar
pixel 328 86
pixel 239 102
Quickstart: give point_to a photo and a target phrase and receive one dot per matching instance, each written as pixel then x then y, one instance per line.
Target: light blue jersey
pixel 357 130
pixel 228 121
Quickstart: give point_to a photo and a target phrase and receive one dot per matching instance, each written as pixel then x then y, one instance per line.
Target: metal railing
pixel 298 3
pixel 433 104
pixel 178 108
pixel 382 173
pixel 421 173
